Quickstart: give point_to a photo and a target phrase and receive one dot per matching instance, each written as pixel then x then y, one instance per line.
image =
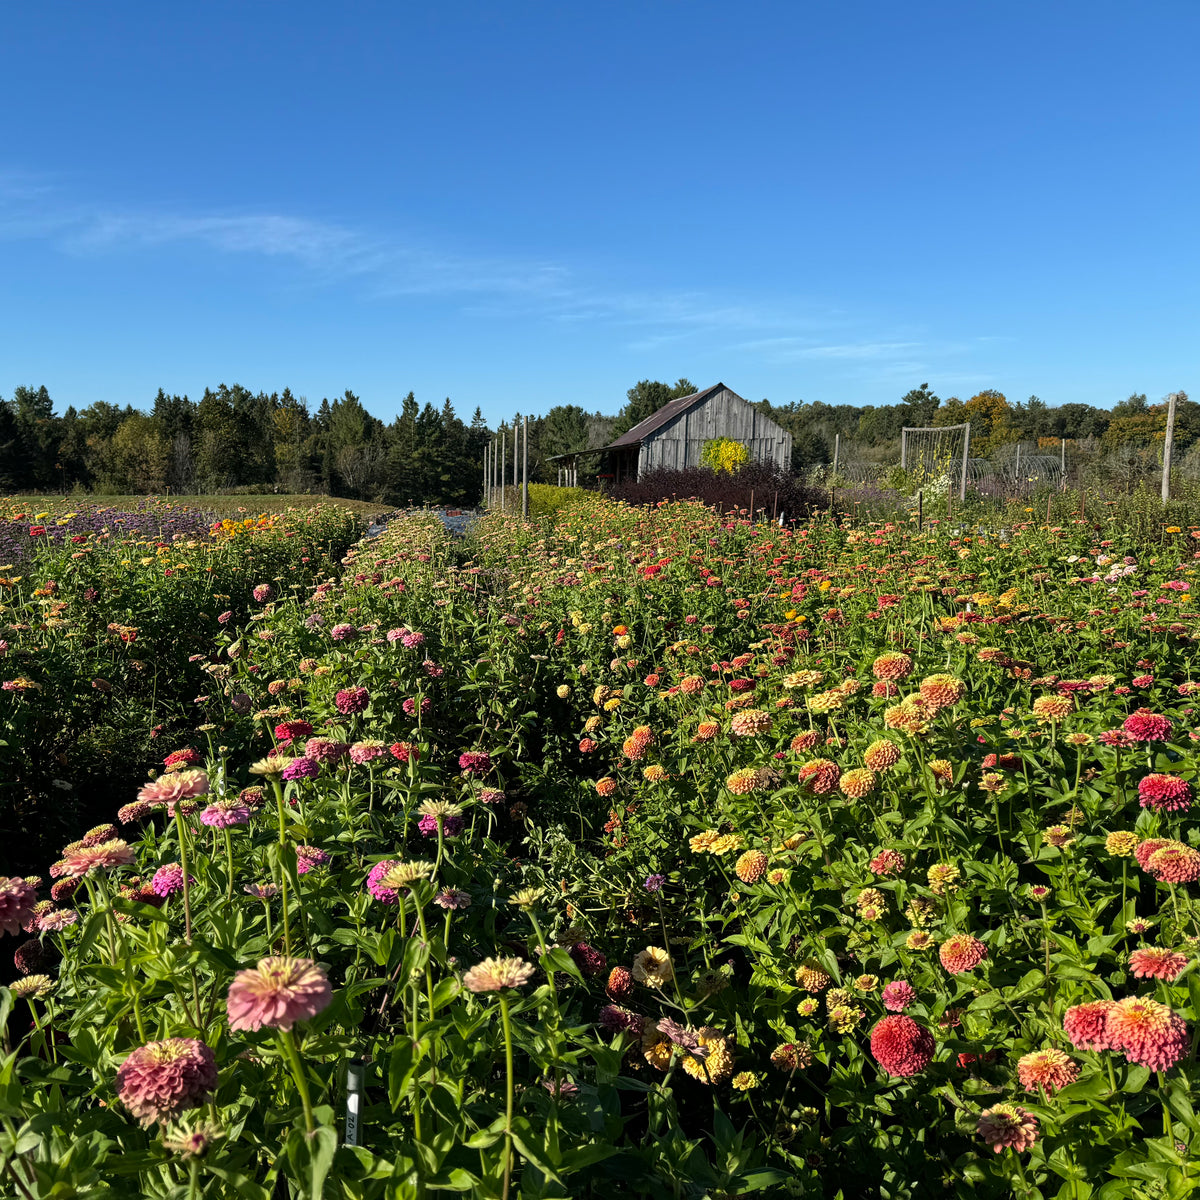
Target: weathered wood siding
pixel 724 414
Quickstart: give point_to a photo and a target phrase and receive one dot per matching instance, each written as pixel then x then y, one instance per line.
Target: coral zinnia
pixel 881 755
pixel 962 952
pixel 1086 1025
pixel 892 667
pixel 821 775
pixel 1174 863
pixel 887 862
pixel 160 1080
pixel 114 853
pixel 1153 962
pixel 1049 1068
pixel 278 992
pixel 745 781
pixel 1165 793
pixel 942 691
pixel 620 984
pixel 751 867
pixel 1005 1125
pixel 901 1046
pixel 750 722
pixel 1149 1033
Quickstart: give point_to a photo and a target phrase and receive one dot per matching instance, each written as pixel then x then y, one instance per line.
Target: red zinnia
pixel 901 1046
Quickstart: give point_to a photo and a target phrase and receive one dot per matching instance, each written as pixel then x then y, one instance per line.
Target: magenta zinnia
pixel 160 1080
pixel 278 993
pixel 1146 726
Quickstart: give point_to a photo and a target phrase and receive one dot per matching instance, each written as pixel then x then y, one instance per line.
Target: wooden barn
pixel 675 435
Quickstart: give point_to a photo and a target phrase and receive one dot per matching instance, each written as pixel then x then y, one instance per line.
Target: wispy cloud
pixel 694 324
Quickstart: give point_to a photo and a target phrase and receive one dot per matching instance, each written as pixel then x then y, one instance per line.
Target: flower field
pixel 644 852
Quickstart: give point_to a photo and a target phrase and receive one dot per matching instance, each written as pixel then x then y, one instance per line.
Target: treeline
pixel 996 424
pixel 234 439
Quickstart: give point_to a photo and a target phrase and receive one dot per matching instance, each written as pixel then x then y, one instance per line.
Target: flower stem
pixel 287 1040
pixel 508 1104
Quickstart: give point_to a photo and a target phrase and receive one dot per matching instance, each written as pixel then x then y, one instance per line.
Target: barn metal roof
pixel 655 421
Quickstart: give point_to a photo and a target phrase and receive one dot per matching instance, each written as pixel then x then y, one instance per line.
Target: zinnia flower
pixel 892 667
pixel 496 974
pixel 1146 726
pixel 1147 1032
pixel 887 862
pixel 881 755
pixel 308 857
pixel 168 879
pixel 1049 1068
pixel 114 853
pixel 325 750
pixel 901 1046
pixel 224 814
pixel 1174 863
pixel 1165 793
pixel 160 1080
pixel 352 700
pixel 1005 1125
pixel 751 867
pixel 171 788
pixel 1153 962
pixel 301 768
pixel 1086 1025
pixel 898 995
pixel 652 967
pixel 857 783
pixel 942 691
pixel 278 992
pixel 821 775
pixel 1051 709
pixel 962 952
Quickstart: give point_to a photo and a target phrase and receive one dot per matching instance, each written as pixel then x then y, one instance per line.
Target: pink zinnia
pixel 224 814
pixel 323 749
pixel 308 857
pixel 352 700
pixel 1008 1125
pixel 1165 793
pixel 1049 1068
pixel 1149 1033
pixel 263 592
pixel 1086 1025
pixel 160 1080
pixel 1144 850
pixel 173 787
pixel 384 895
pixel 1145 726
pixel 901 1046
pixel 962 953
pixel 362 753
pixel 410 706
pixel 475 762
pixel 1153 962
pixel 114 853
pixel 301 768
pixel 17 898
pixel 898 995
pixel 278 993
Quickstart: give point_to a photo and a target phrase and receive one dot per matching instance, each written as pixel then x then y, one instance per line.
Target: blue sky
pixel 529 204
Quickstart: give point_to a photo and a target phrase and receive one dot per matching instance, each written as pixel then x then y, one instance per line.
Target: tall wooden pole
pixel 486 497
pixel 1168 446
pixel 962 491
pixel 525 472
pixel 503 467
pixel 837 451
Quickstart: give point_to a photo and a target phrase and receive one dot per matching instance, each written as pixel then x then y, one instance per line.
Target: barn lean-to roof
pixel 655 421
